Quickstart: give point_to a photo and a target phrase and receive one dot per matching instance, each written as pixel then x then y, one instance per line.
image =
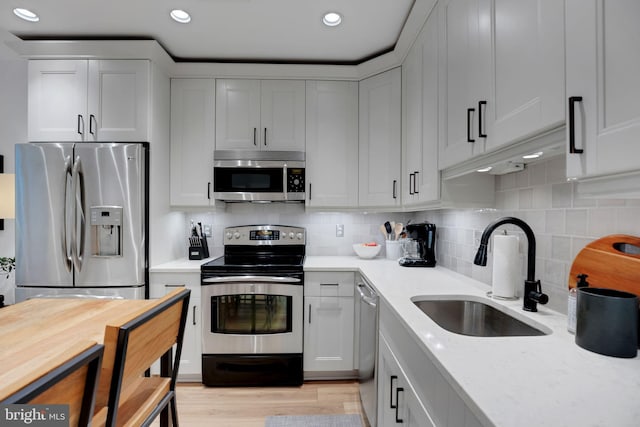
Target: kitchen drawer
pixel 329 284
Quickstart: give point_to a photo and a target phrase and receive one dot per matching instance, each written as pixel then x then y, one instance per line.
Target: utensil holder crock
pixel 607 322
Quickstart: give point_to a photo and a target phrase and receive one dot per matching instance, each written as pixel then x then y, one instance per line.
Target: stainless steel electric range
pixel 252 300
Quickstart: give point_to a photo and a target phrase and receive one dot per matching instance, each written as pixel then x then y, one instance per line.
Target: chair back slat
pixel 139 343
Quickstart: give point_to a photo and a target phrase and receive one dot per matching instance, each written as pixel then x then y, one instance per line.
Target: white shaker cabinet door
pixel 465 79
pixel 237 114
pixel 528 70
pixel 57 107
pixel 118 100
pixel 192 141
pixel 603 65
pixel 332 144
pixel 282 115
pixel 380 139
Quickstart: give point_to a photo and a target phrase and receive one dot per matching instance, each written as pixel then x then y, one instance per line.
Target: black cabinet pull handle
pixel 395 182
pixel 415 184
pixel 209 190
pixel 79 123
pixel 572 125
pixel 92 118
pixel 392 378
pixel 411 180
pixel 469 111
pixel 309 313
pixel 194 314
pixel 309 191
pixel 265 136
pixel 254 136
pixel 480 120
pixel 398 419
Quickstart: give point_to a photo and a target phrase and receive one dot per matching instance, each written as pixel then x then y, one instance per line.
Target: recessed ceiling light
pixel 26 14
pixel 533 156
pixel 487 169
pixel 331 19
pixel 180 16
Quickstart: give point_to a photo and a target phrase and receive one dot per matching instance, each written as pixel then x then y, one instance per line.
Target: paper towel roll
pixel 506 266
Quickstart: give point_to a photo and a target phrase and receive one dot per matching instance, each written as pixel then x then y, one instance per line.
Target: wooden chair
pixel 74 383
pixel 135 399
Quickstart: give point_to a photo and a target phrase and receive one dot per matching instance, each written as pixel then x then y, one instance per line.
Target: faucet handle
pixel 533 295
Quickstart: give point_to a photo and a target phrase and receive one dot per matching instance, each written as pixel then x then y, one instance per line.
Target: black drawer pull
pixel 469 111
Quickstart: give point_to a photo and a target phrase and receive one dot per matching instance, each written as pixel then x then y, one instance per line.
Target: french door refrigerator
pixel 81 220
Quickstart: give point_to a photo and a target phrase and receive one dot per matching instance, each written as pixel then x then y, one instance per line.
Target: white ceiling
pixel 225 30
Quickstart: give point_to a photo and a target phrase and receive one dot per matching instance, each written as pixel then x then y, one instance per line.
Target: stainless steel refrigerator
pixel 81 220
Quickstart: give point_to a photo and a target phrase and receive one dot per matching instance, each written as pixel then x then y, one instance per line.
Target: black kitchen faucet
pixel 532 288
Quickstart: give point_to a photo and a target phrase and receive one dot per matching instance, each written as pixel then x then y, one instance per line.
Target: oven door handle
pixel 254 279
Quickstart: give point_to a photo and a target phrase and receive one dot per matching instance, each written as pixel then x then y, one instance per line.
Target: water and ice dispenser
pixel 106 231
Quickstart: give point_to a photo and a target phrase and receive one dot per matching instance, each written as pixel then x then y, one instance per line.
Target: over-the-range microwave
pixel 258 176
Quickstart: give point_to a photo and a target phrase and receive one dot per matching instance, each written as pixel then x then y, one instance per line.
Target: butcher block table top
pixel 40 334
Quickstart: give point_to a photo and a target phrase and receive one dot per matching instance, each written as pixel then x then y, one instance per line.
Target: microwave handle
pixel 284 181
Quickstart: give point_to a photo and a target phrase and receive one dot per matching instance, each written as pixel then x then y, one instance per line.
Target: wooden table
pixel 39 334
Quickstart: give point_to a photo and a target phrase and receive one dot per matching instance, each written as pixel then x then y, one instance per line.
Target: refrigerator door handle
pixel 78 194
pixel 68 210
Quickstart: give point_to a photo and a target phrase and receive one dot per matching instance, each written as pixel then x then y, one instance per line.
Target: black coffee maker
pixel 425 236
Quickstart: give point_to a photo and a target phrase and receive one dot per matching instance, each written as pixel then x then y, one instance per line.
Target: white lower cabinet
pixel 329 325
pixel 412 390
pixel 397 400
pixel 190 368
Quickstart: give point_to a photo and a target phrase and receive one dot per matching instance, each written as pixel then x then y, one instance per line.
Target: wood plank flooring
pixel 249 406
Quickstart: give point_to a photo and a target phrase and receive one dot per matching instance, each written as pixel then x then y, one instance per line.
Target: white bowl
pixel 366 252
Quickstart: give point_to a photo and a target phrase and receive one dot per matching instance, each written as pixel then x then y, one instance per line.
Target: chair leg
pixel 174 411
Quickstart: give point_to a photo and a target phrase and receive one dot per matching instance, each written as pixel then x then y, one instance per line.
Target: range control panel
pixel 264 235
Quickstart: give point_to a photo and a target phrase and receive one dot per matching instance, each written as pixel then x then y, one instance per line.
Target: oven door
pixel 252 315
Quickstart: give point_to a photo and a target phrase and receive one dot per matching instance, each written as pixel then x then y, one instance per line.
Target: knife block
pixel 198 248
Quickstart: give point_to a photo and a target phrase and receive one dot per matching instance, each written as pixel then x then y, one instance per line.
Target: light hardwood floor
pixel 249 406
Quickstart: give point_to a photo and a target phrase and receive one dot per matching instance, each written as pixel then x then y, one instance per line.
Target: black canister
pixel 607 322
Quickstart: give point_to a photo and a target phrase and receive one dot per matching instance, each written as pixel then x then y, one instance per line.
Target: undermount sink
pixel 474 318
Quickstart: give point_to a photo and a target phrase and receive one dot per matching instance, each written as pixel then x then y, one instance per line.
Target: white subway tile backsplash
pixel 540 195
pixel 561 195
pixel 554 222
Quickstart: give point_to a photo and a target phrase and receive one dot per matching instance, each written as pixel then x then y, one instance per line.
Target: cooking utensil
pixel 384 232
pixel 388 229
pixel 397 229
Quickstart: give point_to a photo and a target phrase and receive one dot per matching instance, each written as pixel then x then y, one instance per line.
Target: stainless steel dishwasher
pixel 368 355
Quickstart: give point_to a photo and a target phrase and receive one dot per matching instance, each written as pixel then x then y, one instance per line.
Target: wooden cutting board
pixel 611 262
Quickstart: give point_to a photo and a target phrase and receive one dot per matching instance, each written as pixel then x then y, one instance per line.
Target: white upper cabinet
pixel 465 79
pixel 421 178
pixel 502 74
pixel 260 115
pixel 603 68
pixel 528 70
pixel 379 139
pixel 332 144
pixel 95 100
pixel 192 141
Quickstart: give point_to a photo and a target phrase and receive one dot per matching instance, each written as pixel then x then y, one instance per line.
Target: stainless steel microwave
pixel 258 176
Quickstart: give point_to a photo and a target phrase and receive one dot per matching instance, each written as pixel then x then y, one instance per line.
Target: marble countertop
pixel 515 381
pixel 182 265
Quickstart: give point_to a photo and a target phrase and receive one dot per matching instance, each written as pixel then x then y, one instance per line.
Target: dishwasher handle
pixel 369 300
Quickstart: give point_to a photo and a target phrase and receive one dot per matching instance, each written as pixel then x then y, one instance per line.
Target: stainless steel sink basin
pixel 474 318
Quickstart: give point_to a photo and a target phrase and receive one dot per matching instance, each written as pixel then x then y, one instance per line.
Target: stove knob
pixel 299 236
pixel 228 235
pixel 291 235
pixel 236 234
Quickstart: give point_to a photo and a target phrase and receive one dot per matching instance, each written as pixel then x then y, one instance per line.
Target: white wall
pixel 13 129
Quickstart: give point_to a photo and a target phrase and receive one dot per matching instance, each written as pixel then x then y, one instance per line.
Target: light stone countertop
pixel 515 381
pixel 182 265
